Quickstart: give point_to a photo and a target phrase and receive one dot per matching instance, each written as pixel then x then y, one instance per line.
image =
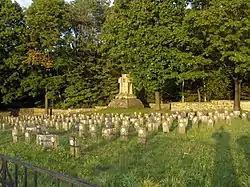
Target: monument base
pixel 126 103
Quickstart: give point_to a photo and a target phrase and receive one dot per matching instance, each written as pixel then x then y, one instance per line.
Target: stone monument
pixel 126 97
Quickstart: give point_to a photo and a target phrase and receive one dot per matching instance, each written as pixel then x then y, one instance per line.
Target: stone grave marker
pixel 15 134
pixel 27 137
pixel 195 122
pixel 106 133
pixel 93 131
pixel 244 116
pixel 74 146
pixel 181 127
pixel 165 126
pixel 150 127
pixel 142 135
pixel 124 133
pixel 47 141
pixel 210 122
pixel 228 120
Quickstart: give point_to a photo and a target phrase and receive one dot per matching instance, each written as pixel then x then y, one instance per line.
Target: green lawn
pixel 218 157
pixel 125 110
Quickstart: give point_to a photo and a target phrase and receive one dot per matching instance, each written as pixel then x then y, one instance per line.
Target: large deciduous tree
pixel 48 25
pixel 138 37
pixel 86 72
pixel 12 50
pixel 225 26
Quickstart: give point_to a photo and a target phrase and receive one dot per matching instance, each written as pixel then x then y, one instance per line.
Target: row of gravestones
pixel 99 119
pixel 47 141
pixel 51 141
pixel 109 120
pixel 114 121
pixel 121 124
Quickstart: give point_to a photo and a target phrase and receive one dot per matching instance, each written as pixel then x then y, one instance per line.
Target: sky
pixel 26 3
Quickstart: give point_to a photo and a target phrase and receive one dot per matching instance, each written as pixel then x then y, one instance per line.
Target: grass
pixel 131 110
pixel 209 157
pixel 125 110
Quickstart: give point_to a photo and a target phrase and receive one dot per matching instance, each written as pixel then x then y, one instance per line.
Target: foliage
pixel 75 52
pixel 12 49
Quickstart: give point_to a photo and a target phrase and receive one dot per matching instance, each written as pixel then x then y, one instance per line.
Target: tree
pixel 227 33
pixel 138 37
pixel 12 50
pixel 48 25
pixel 86 73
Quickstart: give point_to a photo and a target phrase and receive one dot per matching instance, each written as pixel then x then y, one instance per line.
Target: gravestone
pixel 142 135
pixel 126 97
pixel 27 137
pixel 47 141
pixel 124 133
pixel 165 127
pixel 74 146
pixel 15 135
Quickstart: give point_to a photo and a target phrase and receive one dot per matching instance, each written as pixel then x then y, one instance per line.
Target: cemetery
pixel 150 148
pixel 138 149
pixel 119 93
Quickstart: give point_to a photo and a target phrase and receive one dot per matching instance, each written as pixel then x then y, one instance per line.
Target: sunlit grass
pixel 203 157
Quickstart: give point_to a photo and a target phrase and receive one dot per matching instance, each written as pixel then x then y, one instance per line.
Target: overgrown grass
pixel 208 157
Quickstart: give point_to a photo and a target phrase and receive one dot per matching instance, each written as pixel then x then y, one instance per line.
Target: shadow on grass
pixel 224 174
pixel 173 126
pixel 244 143
pixel 189 125
pixel 97 144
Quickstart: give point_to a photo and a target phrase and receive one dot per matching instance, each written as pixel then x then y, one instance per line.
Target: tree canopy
pixel 73 53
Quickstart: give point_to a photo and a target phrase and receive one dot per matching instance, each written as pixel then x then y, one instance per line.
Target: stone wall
pixel 174 106
pixel 212 105
pixel 40 111
pixel 165 106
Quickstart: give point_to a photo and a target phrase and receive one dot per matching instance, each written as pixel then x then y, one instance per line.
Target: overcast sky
pixel 26 3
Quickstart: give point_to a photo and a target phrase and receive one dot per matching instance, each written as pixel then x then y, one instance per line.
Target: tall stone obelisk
pixel 126 97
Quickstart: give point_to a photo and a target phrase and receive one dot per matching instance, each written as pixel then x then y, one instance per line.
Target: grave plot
pixel 156 145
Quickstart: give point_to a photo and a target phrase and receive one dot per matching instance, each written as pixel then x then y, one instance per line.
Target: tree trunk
pixel 237 93
pixel 205 93
pixel 51 107
pixel 157 101
pixel 199 95
pixel 182 92
pixel 46 104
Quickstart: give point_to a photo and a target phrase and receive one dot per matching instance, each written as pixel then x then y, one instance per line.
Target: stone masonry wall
pixel 39 111
pixel 174 106
pixel 212 105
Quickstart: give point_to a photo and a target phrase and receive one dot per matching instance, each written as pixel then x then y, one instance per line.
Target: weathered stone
pixel 15 135
pixel 93 131
pixel 195 122
pixel 47 141
pixel 125 98
pixel 228 120
pixel 165 126
pixel 210 122
pixel 27 137
pixel 74 147
pixel 142 135
pixel 124 133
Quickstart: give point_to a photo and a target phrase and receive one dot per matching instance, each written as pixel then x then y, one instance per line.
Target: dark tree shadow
pixel 244 143
pixel 224 174
pixel 14 112
pixel 142 95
